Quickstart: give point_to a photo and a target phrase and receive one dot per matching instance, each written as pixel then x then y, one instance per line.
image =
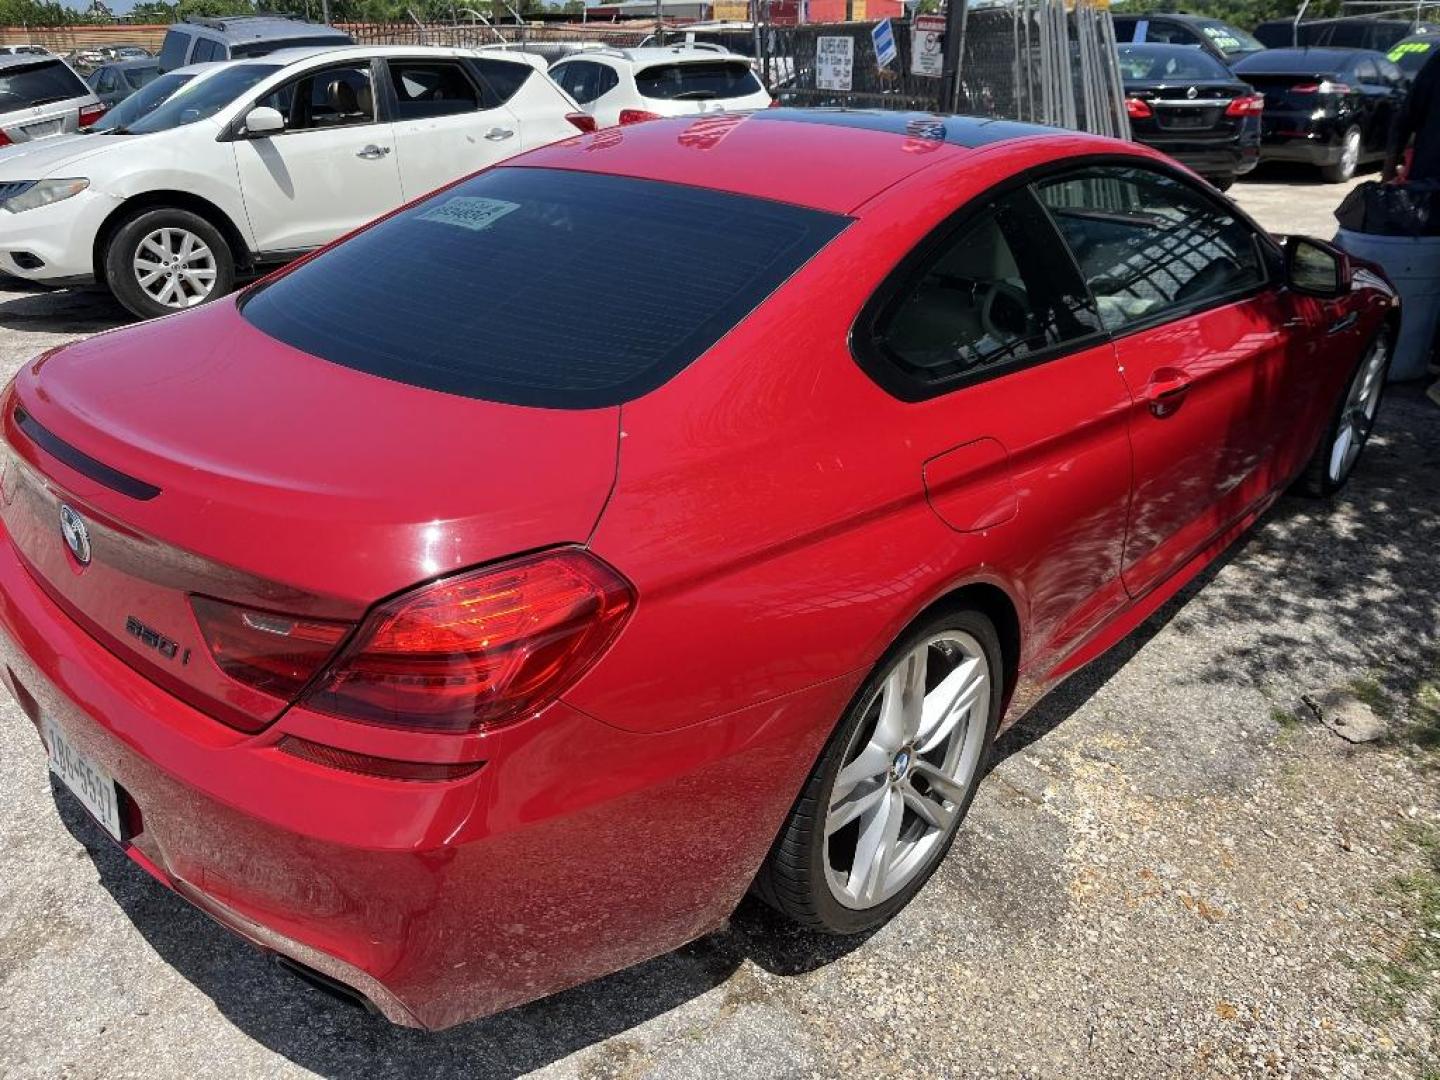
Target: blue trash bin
pixel 1413 264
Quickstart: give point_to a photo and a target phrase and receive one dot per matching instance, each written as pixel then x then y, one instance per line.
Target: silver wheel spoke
pixel 876 849
pixel 902 702
pixel 931 812
pixel 949 702
pixel 872 764
pixel 846 811
pixel 940 783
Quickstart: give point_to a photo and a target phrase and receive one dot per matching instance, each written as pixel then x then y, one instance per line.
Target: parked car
pixel 23 50
pixel 1353 32
pixel 113 83
pixel 202 40
pixel 250 163
pixel 1326 107
pixel 84 61
pixel 40 96
pixel 624 86
pixel 128 52
pixel 1224 42
pixel 1187 104
pixel 1409 54
pixel 355 611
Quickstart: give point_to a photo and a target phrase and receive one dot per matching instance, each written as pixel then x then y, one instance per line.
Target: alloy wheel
pixel 1357 416
pixel 904 777
pixel 174 267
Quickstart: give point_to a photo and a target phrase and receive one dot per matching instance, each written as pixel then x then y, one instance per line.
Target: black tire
pixel 793 879
pixel 1345 168
pixel 1319 480
pixel 124 243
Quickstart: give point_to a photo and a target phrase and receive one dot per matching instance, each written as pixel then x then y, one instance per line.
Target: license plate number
pixel 1188 120
pixel 39 131
pixel 87 781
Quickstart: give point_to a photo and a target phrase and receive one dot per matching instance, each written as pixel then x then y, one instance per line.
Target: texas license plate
pixel 87 781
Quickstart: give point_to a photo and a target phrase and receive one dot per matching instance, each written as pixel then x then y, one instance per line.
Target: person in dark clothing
pixel 1418 117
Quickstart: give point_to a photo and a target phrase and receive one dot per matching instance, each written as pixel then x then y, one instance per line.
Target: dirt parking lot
pixel 1174 870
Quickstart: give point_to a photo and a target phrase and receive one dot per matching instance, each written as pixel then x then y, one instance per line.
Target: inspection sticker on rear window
pixel 469 212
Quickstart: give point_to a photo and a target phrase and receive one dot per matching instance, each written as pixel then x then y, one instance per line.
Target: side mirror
pixel 1316 268
pixel 262 121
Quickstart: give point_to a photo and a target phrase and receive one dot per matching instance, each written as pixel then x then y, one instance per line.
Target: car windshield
pixel 487 289
pixel 1230 40
pixel 39 83
pixel 137 77
pixel 1156 63
pixel 207 97
pixel 143 102
pixel 702 81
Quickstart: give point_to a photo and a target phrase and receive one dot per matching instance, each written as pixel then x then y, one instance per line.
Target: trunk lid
pixel 203 457
pixel 1188 108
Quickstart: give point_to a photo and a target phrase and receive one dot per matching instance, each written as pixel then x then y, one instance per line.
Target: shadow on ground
pixel 59 311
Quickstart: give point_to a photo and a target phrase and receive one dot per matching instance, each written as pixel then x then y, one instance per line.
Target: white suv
pixel 216 170
pixel 623 86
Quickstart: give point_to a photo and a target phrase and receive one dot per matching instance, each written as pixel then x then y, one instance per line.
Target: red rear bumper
pixel 577 850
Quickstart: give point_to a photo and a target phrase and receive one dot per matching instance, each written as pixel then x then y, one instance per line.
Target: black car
pixel 1356 32
pixel 1224 42
pixel 1187 104
pixel 1326 107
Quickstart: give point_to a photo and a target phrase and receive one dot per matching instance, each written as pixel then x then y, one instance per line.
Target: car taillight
pixel 478 649
pixel 635 116
pixel 1245 106
pixel 583 121
pixel 91 113
pixel 4 139
pixel 1325 87
pixel 275 653
pixel 1137 109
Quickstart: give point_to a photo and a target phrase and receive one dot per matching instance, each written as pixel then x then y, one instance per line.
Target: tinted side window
pixel 585 81
pixel 105 83
pixel 174 50
pixel 206 51
pixel 1149 244
pixel 334 97
pixel 1125 29
pixel 1171 34
pixel 993 292
pixel 500 80
pixel 431 88
pixel 1365 71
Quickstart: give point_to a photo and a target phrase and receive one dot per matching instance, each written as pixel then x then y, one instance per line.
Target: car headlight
pixel 45 192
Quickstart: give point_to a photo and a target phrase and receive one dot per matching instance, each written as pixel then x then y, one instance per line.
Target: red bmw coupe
pixel 490 600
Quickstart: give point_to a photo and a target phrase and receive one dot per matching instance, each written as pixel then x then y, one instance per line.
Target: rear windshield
pixel 1154 63
pixel 542 287
pixel 1293 62
pixel 38 84
pixel 698 81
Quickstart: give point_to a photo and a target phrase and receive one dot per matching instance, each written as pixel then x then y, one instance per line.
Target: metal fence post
pixel 955 13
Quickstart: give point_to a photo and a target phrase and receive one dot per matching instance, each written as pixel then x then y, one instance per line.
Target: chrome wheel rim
pixel 896 798
pixel 1357 415
pixel 175 268
pixel 1350 156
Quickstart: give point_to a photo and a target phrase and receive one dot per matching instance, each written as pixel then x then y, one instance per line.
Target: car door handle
pixel 373 152
pixel 1165 392
pixel 496 134
pixel 1345 322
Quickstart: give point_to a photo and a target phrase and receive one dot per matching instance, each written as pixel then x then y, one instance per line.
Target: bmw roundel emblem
pixel 77 537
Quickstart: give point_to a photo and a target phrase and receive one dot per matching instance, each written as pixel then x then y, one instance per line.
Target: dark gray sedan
pixel 113 83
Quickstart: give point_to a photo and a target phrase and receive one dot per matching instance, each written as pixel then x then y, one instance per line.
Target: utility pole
pixel 955 13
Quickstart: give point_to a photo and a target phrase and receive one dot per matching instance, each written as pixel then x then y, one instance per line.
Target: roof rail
pixel 220 22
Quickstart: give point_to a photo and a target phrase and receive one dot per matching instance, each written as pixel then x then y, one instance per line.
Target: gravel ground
pixel 1173 871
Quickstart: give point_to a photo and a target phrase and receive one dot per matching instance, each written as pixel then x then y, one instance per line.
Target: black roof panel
pixel 969 131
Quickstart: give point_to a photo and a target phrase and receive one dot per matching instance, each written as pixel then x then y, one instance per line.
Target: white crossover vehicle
pixel 216 170
pixel 623 86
